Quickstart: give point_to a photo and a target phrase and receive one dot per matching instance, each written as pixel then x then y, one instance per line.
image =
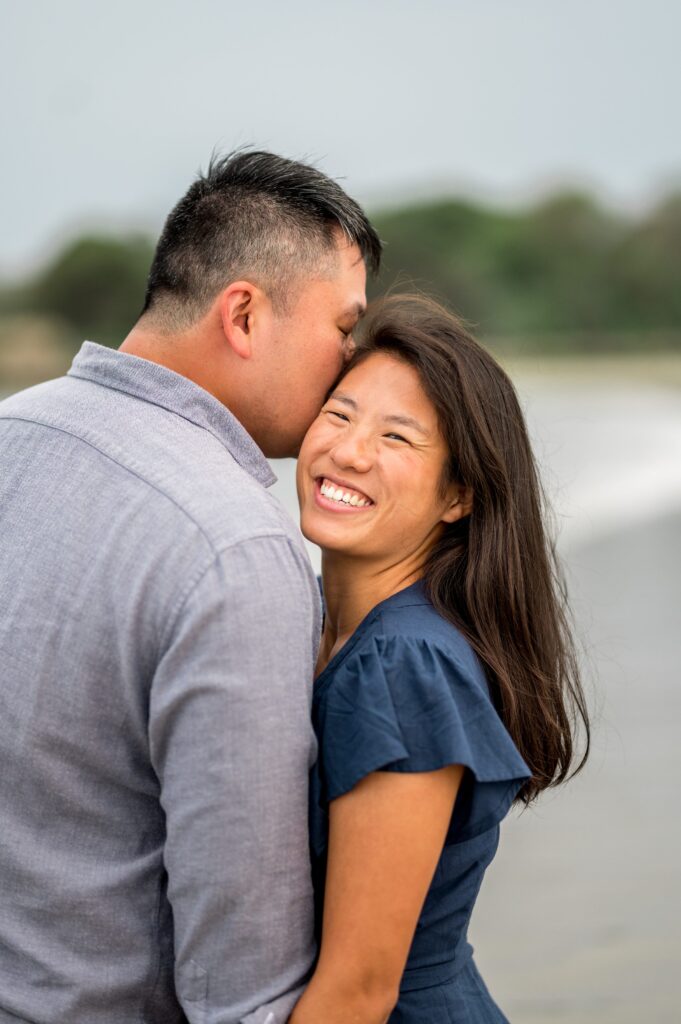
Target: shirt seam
pixel 200 574
pixel 153 486
pixel 174 412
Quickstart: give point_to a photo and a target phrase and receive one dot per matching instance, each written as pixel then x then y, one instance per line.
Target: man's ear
pixel 460 504
pixel 236 305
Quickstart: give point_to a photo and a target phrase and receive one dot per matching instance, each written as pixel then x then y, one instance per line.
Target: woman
pixel 447 683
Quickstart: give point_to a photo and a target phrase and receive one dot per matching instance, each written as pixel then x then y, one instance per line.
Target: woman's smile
pixel 336 496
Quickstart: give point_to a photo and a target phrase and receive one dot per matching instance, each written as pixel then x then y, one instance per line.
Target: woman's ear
pixel 236 315
pixel 460 504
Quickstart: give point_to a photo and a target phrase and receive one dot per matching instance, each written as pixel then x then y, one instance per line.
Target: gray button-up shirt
pixel 158 627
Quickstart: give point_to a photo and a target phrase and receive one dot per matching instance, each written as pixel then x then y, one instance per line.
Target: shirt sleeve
pixel 408 705
pixel 231 742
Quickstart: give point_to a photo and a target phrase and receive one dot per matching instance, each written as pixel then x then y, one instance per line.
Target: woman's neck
pixel 351 589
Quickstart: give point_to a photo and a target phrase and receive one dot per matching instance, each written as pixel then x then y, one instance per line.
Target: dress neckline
pixel 414 594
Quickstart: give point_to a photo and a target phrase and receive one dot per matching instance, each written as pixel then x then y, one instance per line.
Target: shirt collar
pixel 158 385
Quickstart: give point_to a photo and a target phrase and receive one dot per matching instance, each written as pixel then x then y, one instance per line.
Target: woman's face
pixel 370 466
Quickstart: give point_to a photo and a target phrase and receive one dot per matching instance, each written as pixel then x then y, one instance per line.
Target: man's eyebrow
pixel 356 311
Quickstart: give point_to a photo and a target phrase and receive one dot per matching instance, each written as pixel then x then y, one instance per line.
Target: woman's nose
pixel 352 452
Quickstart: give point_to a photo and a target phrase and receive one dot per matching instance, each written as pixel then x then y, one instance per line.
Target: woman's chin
pixel 328 542
pixel 328 537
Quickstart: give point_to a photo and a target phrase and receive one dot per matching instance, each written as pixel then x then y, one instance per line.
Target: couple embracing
pixel 218 803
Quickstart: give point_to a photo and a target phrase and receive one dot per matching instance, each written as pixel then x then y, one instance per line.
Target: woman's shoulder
pixel 406 662
pixel 405 637
pixel 411 620
pixel 410 695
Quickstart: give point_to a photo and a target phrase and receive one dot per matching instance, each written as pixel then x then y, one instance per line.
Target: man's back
pixel 157 628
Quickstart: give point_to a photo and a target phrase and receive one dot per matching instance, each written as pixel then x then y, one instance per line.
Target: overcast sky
pixel 108 110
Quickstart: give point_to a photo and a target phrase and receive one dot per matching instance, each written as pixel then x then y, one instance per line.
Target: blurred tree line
pixel 93 288
pixel 562 276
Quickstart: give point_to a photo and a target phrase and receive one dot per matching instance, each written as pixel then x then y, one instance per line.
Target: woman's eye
pixel 397 437
pixel 340 415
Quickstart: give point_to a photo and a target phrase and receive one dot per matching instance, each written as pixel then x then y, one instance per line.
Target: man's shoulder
pixel 154 450
pixel 24 403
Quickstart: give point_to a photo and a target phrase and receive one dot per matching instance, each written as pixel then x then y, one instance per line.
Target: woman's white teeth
pixel 338 494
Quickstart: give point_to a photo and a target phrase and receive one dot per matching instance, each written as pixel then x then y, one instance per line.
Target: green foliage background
pixel 93 288
pixel 563 276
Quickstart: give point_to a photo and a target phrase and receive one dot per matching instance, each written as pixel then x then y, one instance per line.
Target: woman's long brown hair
pixel 495 574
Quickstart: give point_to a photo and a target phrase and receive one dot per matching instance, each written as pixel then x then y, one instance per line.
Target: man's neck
pixel 166 350
pixel 202 355
pixel 186 353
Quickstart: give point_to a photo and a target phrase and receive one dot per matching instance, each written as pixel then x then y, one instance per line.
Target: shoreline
pixel 662 369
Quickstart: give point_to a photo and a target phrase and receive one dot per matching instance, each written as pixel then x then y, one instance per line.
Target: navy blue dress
pixel 408 694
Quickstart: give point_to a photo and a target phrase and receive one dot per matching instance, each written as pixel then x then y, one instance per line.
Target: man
pixel 159 622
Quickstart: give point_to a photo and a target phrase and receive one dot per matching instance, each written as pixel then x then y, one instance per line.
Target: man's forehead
pixel 347 248
pixel 341 276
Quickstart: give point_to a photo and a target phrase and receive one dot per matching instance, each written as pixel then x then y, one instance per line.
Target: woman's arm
pixel 385 839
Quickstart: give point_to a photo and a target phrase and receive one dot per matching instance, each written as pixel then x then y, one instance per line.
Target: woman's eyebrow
pixel 339 396
pixel 407 421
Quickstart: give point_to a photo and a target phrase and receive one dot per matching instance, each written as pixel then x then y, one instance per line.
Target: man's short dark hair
pixel 253 215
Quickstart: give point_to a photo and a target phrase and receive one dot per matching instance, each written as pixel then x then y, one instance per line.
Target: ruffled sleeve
pixel 410 705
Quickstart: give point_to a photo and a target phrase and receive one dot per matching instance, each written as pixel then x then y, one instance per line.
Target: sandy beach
pixel 578 920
